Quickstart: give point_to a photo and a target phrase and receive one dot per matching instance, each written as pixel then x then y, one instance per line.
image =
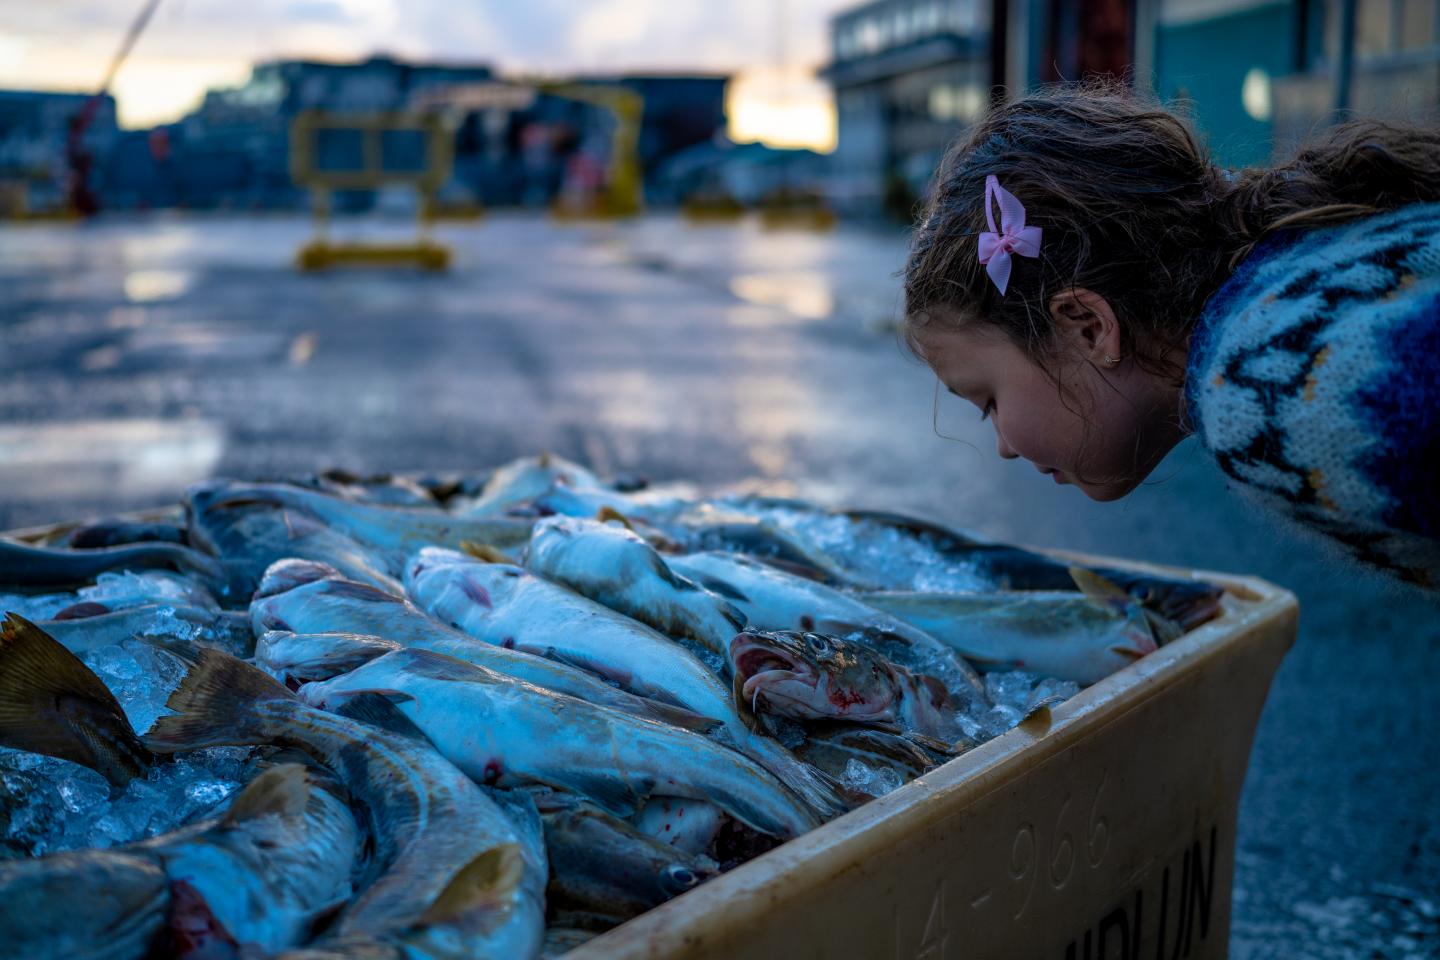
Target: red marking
pixel 81 611
pixel 194 931
pixel 476 592
pixel 508 643
pixel 667 828
pixel 844 698
pixel 681 813
pixel 492 773
pixel 807 622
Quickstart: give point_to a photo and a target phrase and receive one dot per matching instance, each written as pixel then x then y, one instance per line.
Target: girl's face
pixel 1102 429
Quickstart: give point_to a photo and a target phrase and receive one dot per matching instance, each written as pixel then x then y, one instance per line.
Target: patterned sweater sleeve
pixel 1314 379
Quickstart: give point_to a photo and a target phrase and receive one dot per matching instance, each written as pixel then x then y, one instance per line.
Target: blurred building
pixel 908 75
pixel 719 172
pixel 1262 75
pixel 1257 75
pixel 527 150
pixel 233 151
pixel 38 152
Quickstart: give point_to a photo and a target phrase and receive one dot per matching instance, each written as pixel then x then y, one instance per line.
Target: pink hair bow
pixel 1013 237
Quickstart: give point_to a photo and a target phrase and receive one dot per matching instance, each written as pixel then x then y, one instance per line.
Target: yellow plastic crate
pixel 1104 829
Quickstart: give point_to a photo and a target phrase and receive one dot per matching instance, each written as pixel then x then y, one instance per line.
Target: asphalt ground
pixel 137 356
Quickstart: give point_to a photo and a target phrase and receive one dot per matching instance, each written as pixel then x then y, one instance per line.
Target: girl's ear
pixel 1084 320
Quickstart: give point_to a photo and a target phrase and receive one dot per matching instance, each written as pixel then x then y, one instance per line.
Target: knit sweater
pixel 1314 379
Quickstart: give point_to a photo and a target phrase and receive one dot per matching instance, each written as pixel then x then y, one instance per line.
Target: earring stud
pixel 1111 361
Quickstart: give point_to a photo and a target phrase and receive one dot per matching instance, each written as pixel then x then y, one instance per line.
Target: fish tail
pixel 51 703
pixel 215 704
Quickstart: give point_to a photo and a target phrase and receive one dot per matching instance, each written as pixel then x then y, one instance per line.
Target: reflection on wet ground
pixel 139 356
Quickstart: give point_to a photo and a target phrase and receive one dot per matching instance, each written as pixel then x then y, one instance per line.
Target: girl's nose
pixel 1005 450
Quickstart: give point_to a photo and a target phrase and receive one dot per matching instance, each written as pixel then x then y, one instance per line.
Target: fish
pixel 503 604
pixel 770 545
pixel 89 903
pixel 603 871
pixel 260 877
pixel 508 606
pixel 250 537
pixel 559 941
pixel 833 745
pixel 1069 636
pixel 451 869
pixel 680 822
pixel 296 658
pixel 337 612
pixel 517 483
pixel 51 703
pixel 29 566
pixel 390 534
pixel 612 565
pixel 88 627
pixel 771 599
pixel 504 732
pixel 385 489
pixel 115 532
pixel 254 879
pixel 1188 603
pixel 807 676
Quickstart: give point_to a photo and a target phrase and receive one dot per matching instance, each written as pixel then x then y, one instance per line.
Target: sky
pixel 193 45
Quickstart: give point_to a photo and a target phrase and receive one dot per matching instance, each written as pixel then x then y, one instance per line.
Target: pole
pixel 1345 59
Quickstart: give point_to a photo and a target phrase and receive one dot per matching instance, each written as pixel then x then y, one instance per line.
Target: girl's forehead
pixel 965 353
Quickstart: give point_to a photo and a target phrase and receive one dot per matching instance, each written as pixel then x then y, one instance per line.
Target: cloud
pixel 318 11
pixel 67 43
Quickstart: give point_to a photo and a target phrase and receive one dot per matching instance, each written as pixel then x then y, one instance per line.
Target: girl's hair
pixel 1132 208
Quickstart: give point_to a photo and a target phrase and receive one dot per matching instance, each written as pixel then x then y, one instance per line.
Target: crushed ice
pixel 48 804
pixel 52 804
pixel 876 781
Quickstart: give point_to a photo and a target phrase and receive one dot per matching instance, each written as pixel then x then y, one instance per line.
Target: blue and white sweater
pixel 1314 379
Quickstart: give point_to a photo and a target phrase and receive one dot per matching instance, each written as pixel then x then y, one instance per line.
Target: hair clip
pixel 1013 236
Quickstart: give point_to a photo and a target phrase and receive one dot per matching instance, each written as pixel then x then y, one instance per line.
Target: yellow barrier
pixel 321 253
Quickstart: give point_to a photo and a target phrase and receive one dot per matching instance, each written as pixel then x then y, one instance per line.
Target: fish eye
pixel 817 643
pixel 683 876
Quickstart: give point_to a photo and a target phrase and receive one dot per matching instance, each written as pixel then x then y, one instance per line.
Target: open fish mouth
pixel 763 669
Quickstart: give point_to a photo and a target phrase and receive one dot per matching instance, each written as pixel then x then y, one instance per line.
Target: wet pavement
pixel 139 356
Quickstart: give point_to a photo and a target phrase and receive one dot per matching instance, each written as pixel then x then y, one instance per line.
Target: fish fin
pixel 479 889
pixel 544 459
pixel 939 750
pixel 681 717
pixel 483 551
pixel 214 703
pixel 1096 586
pixel 51 703
pixel 378 709
pixel 282 790
pixel 716 585
pixel 805 570
pixel 355 590
pixel 607 513
pixel 1162 628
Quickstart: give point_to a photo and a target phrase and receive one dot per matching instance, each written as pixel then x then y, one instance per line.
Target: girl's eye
pixel 985 411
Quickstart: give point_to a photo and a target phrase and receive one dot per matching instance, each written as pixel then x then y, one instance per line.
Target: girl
pixel 1099 290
